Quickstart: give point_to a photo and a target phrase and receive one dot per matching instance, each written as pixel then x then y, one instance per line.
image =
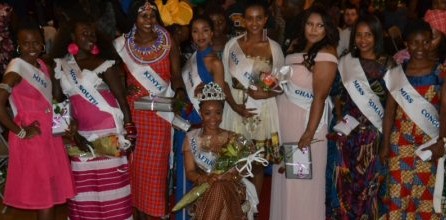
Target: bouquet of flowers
pixel 236 154
pixel 270 80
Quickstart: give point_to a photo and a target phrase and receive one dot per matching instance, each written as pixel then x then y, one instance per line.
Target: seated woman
pixel 202 147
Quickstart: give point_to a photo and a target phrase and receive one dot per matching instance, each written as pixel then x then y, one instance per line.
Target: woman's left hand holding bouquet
pixel 76 138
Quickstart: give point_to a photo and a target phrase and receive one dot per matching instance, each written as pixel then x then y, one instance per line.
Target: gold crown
pixel 211 91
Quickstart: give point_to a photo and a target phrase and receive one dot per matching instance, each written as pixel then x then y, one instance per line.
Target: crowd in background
pixel 377 64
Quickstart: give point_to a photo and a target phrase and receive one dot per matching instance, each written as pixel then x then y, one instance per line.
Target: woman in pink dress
pixel 39 174
pixel 85 66
pixel 303 111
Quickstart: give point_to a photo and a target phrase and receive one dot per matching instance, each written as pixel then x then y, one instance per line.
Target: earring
pixel 44 49
pixel 95 50
pixel 73 49
pixel 18 49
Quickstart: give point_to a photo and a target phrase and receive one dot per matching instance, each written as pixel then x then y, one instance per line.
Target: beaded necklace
pixel 161 45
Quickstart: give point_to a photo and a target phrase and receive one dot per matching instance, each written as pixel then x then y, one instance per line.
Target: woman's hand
pixel 81 142
pixel 211 178
pixel 305 141
pixel 384 154
pixel 199 89
pixel 131 134
pixel 437 150
pixel 259 93
pixel 32 130
pixel 230 175
pixel 243 111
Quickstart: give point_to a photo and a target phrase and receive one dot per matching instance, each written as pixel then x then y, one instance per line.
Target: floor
pixel 16 214
pixel 61 210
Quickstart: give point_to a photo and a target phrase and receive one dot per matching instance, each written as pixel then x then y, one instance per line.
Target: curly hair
pixel 376 28
pixel 64 38
pixel 331 38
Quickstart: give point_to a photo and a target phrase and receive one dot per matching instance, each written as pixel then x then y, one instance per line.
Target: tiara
pixel 211 91
pixel 146 7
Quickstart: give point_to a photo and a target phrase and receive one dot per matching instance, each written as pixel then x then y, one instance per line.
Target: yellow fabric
pixel 174 12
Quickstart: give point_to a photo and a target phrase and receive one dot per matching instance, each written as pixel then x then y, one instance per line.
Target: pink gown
pixel 39 173
pixel 300 199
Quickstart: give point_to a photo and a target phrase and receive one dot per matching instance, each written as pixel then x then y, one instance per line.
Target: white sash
pixel 422 112
pixel 88 92
pixel 304 98
pixel 191 79
pixel 205 160
pixel 34 76
pixel 239 66
pixel 357 85
pixel 146 76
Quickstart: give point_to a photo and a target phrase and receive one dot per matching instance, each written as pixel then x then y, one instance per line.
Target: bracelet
pixel 22 133
pixel 129 124
pixel 6 87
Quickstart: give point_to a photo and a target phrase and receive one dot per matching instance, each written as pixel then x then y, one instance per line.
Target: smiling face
pixel 145 21
pixel 255 19
pixel 84 36
pixel 364 39
pixel 31 44
pixel 211 113
pixel 419 45
pixel 314 29
pixel 201 34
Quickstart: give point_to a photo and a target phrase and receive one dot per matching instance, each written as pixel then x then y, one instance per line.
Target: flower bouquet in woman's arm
pixel 236 156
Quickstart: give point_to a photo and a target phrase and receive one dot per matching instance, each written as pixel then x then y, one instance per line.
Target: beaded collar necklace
pixel 155 47
pixel 161 45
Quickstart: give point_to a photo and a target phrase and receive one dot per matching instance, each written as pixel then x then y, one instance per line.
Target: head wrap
pixel 437 20
pixel 174 12
pixel 146 7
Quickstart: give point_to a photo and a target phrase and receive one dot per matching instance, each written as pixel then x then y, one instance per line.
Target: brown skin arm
pixel 191 168
pixel 338 108
pixel 324 74
pixel 239 108
pixel 175 68
pixel 216 68
pixel 389 118
pixel 12 79
pixel 112 78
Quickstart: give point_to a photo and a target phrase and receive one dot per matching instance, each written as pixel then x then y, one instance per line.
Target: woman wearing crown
pixel 202 148
pixel 246 57
pixel 152 64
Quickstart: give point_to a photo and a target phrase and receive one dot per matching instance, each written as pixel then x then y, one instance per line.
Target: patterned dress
pixel 355 166
pixel 411 180
pixel 224 199
pixel 150 162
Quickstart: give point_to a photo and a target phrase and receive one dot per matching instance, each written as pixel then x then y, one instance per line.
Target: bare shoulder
pixel 213 60
pixel 330 50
